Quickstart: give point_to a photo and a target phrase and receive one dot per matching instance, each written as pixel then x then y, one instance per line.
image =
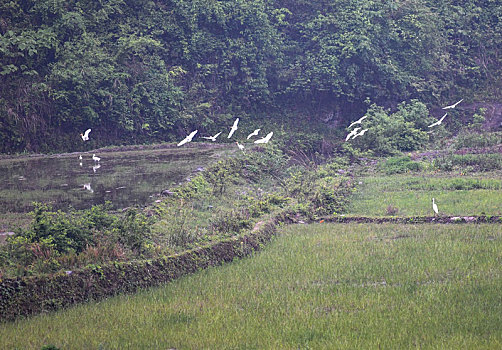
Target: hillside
pixel 143 71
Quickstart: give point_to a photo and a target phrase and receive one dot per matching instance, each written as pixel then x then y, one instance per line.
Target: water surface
pixel 125 178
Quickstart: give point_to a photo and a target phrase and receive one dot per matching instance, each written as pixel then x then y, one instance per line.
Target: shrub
pixel 477 140
pixel 401 164
pixel 63 231
pixel 478 162
pixel 403 130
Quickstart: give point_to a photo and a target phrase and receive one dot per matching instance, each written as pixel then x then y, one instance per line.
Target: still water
pixel 124 178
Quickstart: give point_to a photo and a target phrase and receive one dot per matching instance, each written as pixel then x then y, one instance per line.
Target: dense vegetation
pixel 142 71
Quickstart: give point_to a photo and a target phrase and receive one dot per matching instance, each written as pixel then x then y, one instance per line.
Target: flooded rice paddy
pixel 125 178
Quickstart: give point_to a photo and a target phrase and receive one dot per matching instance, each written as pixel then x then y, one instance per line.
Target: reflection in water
pixel 124 178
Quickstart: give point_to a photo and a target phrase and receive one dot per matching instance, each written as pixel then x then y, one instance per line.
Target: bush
pixel 403 130
pixel 397 165
pixel 63 231
pixel 477 140
pixel 478 162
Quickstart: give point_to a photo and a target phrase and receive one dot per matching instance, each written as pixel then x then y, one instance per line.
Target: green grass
pixel 319 286
pixel 412 195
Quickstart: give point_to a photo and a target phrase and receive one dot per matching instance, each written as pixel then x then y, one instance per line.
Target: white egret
pixel 439 121
pixel 254 133
pixel 266 138
pixel 212 138
pixel 95 158
pixel 88 187
pixel 361 133
pixel 357 121
pixel 434 207
pixel 352 133
pixel 453 105
pixel 233 128
pixel 96 167
pixel 80 157
pixel 85 135
pixel 188 138
pixel 241 147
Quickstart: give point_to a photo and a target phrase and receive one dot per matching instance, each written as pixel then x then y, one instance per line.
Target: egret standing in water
pixel 254 133
pixel 212 138
pixel 453 105
pixel 95 158
pixel 233 128
pixel 434 207
pixel 85 135
pixel 188 138
pixel 266 138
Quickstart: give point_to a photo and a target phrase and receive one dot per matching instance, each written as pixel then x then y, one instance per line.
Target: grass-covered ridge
pixel 411 195
pixel 318 286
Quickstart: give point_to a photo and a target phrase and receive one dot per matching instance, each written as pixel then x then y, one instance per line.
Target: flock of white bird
pixel 351 135
pixel 355 133
pixel 233 129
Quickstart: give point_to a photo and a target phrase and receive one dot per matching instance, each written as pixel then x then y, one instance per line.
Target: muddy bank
pixel 127 148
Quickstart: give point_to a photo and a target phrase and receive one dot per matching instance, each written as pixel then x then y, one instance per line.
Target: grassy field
pixel 412 195
pixel 318 286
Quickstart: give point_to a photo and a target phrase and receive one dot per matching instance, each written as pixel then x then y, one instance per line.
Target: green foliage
pixel 400 164
pixel 63 231
pixel 403 130
pixel 197 186
pixel 66 238
pixel 477 140
pixel 476 162
pixel 144 71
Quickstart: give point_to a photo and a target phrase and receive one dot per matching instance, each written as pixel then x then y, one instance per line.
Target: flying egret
pixel 188 138
pixel 453 105
pixel 434 207
pixel 352 133
pixel 85 135
pixel 95 158
pixel 361 133
pixel 266 138
pixel 212 138
pixel 439 121
pixel 241 147
pixel 254 133
pixel 357 121
pixel 88 187
pixel 233 128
